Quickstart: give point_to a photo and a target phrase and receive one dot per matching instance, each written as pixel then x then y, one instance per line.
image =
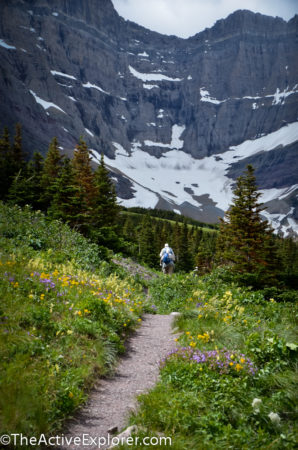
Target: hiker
pixel 167 258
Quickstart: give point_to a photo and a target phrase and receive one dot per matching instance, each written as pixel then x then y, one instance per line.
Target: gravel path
pixel 113 398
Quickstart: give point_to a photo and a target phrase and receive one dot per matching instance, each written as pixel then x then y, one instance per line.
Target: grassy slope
pixel 140 217
pixel 64 316
pixel 234 347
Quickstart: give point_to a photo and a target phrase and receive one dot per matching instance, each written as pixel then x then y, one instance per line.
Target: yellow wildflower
pixel 238 367
pixel 70 395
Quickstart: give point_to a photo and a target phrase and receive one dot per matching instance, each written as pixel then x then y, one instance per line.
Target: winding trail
pixel 112 399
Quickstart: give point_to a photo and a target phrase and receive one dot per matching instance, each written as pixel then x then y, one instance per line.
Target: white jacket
pixel 168 250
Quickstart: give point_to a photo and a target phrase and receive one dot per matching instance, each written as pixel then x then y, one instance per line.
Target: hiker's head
pixel 166 245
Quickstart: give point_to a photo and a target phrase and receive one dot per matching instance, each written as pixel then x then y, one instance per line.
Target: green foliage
pixel 230 383
pixel 61 326
pixel 24 231
pixel 170 293
pixel 245 240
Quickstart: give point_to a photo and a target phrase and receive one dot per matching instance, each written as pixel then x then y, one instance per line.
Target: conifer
pixel 51 170
pixel 68 200
pixel 106 208
pixel 84 177
pixel 245 239
pixel 148 253
pixel 5 170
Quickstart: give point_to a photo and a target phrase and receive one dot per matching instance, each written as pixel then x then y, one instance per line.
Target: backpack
pixel 166 259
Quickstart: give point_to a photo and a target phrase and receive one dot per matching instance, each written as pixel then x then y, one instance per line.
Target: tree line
pixel 70 190
pixel 64 188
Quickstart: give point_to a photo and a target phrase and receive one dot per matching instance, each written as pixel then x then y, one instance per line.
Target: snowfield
pixel 177 177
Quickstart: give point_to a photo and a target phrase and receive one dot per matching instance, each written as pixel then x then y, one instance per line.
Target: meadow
pixel 231 381
pixel 66 312
pixel 65 315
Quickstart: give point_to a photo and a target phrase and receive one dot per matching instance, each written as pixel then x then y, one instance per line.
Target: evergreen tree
pixel 5 170
pixel 185 261
pixel 68 201
pixel 245 240
pixel 25 186
pixel 17 155
pixel 106 208
pixel 51 170
pixel 84 176
pixel 148 253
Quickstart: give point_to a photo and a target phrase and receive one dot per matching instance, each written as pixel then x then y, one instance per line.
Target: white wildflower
pixel 256 404
pixel 274 417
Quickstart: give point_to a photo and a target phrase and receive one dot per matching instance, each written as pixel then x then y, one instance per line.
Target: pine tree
pixel 245 240
pixel 106 208
pixel 68 201
pixel 185 262
pixel 26 184
pixel 148 253
pixel 17 155
pixel 5 170
pixel 51 169
pixel 84 176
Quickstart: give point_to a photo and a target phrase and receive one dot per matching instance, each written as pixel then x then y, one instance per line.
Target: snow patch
pixel 55 14
pixel 44 103
pixel 89 132
pixel 62 74
pixel 94 86
pixel 7 46
pixel 279 97
pixel 161 174
pixel 177 211
pixel 189 77
pixel 144 54
pixel 151 76
pixel 176 142
pixel 150 86
pixel 205 97
pixel 72 98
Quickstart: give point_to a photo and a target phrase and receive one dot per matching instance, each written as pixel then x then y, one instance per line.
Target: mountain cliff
pixel 178 119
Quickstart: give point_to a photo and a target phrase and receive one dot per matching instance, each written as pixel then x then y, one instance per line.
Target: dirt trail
pixel 113 398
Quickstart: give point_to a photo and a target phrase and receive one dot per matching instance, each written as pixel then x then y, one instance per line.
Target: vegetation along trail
pixel 113 398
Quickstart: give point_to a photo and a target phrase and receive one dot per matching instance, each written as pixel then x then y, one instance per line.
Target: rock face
pixel 167 112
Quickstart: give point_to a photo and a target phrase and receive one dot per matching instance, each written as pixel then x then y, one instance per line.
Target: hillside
pixel 177 119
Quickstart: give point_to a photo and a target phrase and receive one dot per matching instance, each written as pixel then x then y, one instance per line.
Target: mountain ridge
pixel 78 68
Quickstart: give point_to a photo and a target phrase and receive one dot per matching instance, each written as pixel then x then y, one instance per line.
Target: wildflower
pixel 125 325
pixel 238 367
pixel 70 395
pixel 242 360
pixel 41 296
pixel 69 332
pixel 79 313
pixel 256 404
pixel 272 300
pixel 31 296
pixel 192 344
pixel 231 364
pixel 274 417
